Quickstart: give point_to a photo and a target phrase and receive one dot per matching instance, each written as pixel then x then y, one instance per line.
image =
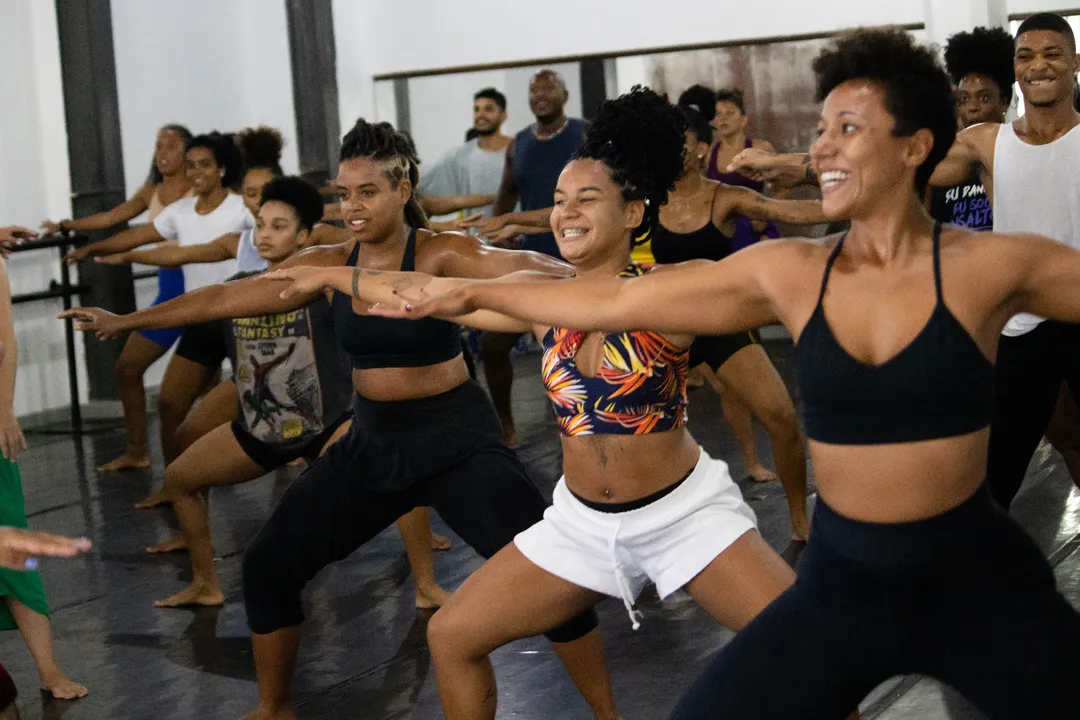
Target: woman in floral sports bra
pixel 640 500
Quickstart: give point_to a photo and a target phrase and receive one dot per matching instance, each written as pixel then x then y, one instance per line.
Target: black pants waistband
pixel 907 542
pixel 633 504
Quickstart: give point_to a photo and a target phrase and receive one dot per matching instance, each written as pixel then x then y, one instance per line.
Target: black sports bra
pixel 940 385
pixel 705 243
pixel 378 342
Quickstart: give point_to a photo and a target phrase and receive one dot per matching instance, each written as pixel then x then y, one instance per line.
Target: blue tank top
pixel 537 164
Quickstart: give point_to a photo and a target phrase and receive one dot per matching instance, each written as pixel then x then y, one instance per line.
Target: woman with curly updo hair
pixel 911 566
pixel 640 500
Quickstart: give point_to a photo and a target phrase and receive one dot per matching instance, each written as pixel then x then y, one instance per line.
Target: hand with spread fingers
pixel 101 322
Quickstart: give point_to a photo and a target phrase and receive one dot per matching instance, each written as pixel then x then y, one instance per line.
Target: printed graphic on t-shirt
pixel 966 206
pixel 276 376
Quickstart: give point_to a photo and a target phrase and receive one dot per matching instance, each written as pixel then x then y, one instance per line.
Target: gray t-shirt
pixel 465 170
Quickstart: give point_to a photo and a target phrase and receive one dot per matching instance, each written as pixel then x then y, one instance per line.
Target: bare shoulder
pixel 982 137
pixel 323 255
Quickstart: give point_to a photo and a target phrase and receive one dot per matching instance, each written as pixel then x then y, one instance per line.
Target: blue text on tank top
pixel 537 164
pixel 377 342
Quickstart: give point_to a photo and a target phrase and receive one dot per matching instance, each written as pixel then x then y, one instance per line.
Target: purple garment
pixel 745 234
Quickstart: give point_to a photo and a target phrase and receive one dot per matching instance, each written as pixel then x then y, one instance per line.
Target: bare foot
pixel 285 713
pixel 760 473
pixel 440 543
pixel 127 461
pixel 430 598
pixel 171 545
pixel 194 595
pixel 158 497
pixel 61 686
pixel 509 435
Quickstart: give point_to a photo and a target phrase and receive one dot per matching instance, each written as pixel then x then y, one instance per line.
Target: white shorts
pixel 668 541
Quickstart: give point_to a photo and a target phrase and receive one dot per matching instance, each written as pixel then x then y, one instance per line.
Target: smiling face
pixel 488 117
pixel 278 234
pixel 858 159
pixel 591 221
pixel 370 206
pixel 547 96
pixel 1046 64
pixel 978 100
pixel 203 172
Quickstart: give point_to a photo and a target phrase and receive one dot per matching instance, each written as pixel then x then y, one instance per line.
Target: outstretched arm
pixel 784 169
pixel 224 248
pixel 11 436
pixel 507 197
pixel 1048 276
pixel 100 221
pixel 247 297
pixel 446 204
pixel 754 205
pixel 121 242
pixel 694 298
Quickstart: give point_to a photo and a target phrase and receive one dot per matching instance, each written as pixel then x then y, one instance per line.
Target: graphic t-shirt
pixel 965 205
pixel 292 378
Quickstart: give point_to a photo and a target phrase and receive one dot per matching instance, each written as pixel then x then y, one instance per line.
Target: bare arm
pixel 507 197
pixel 446 204
pixel 1048 276
pixel 459 255
pixel 329 235
pixel 754 205
pixel 694 298
pixel 121 242
pixel 110 218
pixel 224 248
pixel 247 297
pixel 11 437
pixel 784 169
pixel 375 287
pixel 965 156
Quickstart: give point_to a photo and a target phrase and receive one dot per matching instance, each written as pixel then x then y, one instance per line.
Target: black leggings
pixel 965 597
pixel 442 451
pixel 1027 381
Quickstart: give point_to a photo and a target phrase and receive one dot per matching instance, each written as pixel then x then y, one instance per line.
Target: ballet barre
pixel 63 290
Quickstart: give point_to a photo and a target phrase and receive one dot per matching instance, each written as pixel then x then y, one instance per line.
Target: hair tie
pixel 694 107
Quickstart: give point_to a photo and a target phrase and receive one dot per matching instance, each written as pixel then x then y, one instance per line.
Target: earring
pixel 700 157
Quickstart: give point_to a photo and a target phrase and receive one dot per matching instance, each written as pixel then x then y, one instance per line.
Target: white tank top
pixel 248 258
pixel 1036 191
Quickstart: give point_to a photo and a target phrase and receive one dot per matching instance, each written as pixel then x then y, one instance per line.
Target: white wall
pixel 34 185
pixel 207 64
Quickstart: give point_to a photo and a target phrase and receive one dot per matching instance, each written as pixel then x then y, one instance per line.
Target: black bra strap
pixel 408 261
pixel 828 267
pixel 937 259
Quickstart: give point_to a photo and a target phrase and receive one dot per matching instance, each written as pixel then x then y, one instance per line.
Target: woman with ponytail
pixel 640 499
pixel 423 432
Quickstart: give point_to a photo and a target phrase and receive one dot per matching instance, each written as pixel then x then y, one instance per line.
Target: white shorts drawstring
pixel 620 578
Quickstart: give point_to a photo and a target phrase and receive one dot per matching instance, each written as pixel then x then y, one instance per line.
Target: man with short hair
pixel 476 166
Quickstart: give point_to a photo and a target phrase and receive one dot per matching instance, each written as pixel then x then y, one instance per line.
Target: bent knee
pixel 452 633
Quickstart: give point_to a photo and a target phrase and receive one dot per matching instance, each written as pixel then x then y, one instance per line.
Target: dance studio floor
pixel 364 654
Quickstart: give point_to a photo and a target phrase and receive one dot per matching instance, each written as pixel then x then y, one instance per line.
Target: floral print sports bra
pixel 639 389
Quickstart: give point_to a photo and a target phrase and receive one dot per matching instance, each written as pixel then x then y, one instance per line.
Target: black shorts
pixel 715 350
pixel 204 343
pixel 270 456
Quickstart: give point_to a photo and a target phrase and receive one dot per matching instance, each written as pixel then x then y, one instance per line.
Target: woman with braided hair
pixel 423 433
pixel 640 500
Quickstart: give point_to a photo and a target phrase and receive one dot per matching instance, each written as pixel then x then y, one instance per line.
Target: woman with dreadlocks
pixel 423 433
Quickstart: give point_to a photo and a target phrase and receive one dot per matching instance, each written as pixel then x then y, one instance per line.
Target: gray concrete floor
pixel 364 654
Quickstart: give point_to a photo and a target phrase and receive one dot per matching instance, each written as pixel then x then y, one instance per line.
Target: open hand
pixel 450 303
pixel 102 322
pixel 304 279
pixel 488 225
pixel 754 163
pixel 19 548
